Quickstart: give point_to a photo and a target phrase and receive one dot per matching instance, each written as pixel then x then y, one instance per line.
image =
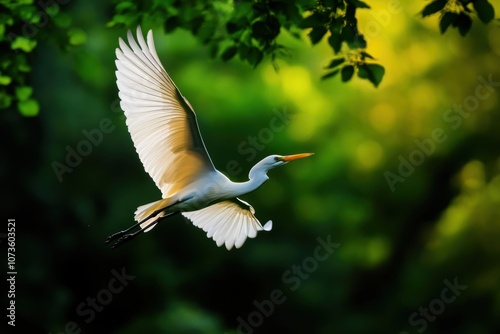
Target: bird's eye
pixel 276 159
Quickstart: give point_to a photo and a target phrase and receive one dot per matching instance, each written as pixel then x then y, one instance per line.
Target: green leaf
pixel 349 35
pixel 5 80
pixel 233 27
pixel 255 56
pixel 359 42
pixel 330 74
pixel 336 25
pixel 5 100
pixel 241 9
pixel 77 36
pixel 447 19
pixel 29 13
pixel 172 23
pixel 244 51
pixel 365 55
pixel 213 50
pixel 52 10
pixel 484 10
pixel 317 34
pixel 21 63
pixel 7 19
pixel 122 6
pixel 229 53
pixel 206 31
pixel 196 23
pixel 23 92
pixel 28 108
pixel 336 62
pixel 347 72
pixel 359 4
pixel 62 20
pixel 266 31
pixel 259 29
pixel 293 13
pixel 335 42
pixel 372 72
pixel 464 23
pixel 23 43
pixel 314 20
pixel 434 7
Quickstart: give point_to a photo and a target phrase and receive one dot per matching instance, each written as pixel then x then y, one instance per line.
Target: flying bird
pixel 166 136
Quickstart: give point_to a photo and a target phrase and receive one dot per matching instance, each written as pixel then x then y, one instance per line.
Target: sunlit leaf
pixel 5 80
pixel 23 92
pixel 125 5
pixel 23 43
pixel 77 36
pixel 28 108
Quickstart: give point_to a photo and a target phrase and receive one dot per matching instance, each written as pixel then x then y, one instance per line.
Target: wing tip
pixel 268 226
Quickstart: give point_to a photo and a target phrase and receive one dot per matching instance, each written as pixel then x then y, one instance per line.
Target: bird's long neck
pixel 257 177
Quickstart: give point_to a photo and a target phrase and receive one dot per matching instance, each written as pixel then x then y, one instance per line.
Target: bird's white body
pixel 211 188
pixel 165 133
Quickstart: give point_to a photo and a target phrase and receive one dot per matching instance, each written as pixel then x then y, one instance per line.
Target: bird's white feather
pixel 161 122
pixel 228 222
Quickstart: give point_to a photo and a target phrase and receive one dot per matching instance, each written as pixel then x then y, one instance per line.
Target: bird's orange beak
pixel 288 158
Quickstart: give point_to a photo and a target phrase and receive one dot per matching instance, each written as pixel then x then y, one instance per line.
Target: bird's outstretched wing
pixel 160 120
pixel 228 222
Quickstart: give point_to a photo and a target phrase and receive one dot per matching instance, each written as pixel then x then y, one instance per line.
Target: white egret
pixel 165 133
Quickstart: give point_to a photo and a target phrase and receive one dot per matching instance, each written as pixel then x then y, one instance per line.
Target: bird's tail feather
pixel 146 210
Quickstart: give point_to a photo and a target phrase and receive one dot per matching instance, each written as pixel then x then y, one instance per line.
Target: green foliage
pixel 356 62
pixel 245 29
pixel 23 23
pixel 250 29
pixel 457 13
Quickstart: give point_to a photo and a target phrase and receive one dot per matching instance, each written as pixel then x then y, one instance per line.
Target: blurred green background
pixel 401 242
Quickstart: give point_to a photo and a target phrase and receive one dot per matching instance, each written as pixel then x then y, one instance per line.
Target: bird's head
pixel 279 160
pixel 273 161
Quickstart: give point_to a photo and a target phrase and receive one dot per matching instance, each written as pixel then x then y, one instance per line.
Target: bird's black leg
pixel 127 237
pixel 121 233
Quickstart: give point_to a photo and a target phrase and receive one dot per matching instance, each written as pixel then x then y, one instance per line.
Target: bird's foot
pixel 123 239
pixel 114 236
